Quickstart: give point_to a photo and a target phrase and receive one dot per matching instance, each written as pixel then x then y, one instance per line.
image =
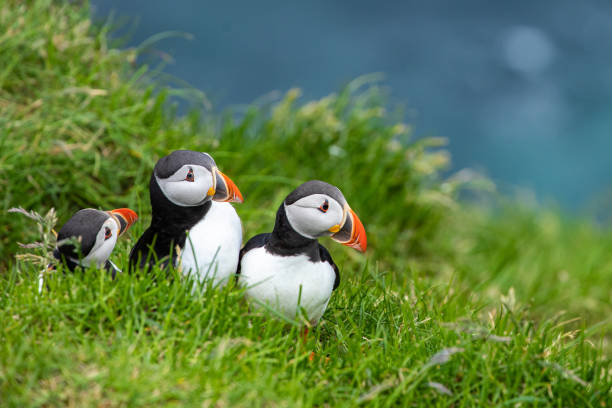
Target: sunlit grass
pixel 90 340
pixel 451 305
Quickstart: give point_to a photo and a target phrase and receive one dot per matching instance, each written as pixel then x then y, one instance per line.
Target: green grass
pixel 554 264
pixel 92 341
pixel 452 305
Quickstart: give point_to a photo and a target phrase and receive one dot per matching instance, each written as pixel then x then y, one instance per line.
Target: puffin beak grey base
pixel 225 190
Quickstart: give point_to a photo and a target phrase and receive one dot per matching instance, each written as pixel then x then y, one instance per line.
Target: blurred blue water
pixel 523 90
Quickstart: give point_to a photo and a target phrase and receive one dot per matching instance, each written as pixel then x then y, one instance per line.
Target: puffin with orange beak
pixel 288 269
pixel 194 227
pixel 96 233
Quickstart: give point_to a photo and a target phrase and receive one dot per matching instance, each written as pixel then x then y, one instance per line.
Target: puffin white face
pixel 190 185
pixel 315 215
pixel 317 208
pixel 106 238
pixel 188 179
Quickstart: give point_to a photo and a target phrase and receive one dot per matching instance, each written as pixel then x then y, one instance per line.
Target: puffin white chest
pixel 288 283
pixel 213 244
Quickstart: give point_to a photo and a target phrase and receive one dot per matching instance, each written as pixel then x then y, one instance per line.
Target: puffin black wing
pixel 256 242
pixel 326 257
pixel 60 257
pixel 155 247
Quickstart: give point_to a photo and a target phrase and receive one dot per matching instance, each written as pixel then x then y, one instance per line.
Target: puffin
pixel 288 269
pixel 193 226
pixel 96 233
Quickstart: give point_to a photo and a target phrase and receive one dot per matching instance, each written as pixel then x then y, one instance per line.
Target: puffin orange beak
pixel 225 189
pixel 352 233
pixel 124 217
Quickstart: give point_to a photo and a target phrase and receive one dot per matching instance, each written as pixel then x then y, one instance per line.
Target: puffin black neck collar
pixel 169 218
pixel 286 241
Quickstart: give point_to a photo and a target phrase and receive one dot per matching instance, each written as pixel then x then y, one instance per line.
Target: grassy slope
pixel 79 127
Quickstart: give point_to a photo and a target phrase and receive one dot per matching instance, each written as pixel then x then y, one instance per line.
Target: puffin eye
pixel 190 176
pixel 324 207
pixel 107 233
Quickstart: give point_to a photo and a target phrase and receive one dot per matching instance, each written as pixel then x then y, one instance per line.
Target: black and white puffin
pixel 97 232
pixel 193 224
pixel 288 269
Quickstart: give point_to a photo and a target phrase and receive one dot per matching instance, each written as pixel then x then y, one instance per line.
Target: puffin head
pixel 317 209
pixel 96 231
pixel 189 179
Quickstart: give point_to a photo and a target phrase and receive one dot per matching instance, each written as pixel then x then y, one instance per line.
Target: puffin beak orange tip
pixel 226 190
pixel 358 240
pixel 352 233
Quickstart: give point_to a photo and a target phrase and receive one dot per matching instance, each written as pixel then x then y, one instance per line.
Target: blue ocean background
pixel 522 90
